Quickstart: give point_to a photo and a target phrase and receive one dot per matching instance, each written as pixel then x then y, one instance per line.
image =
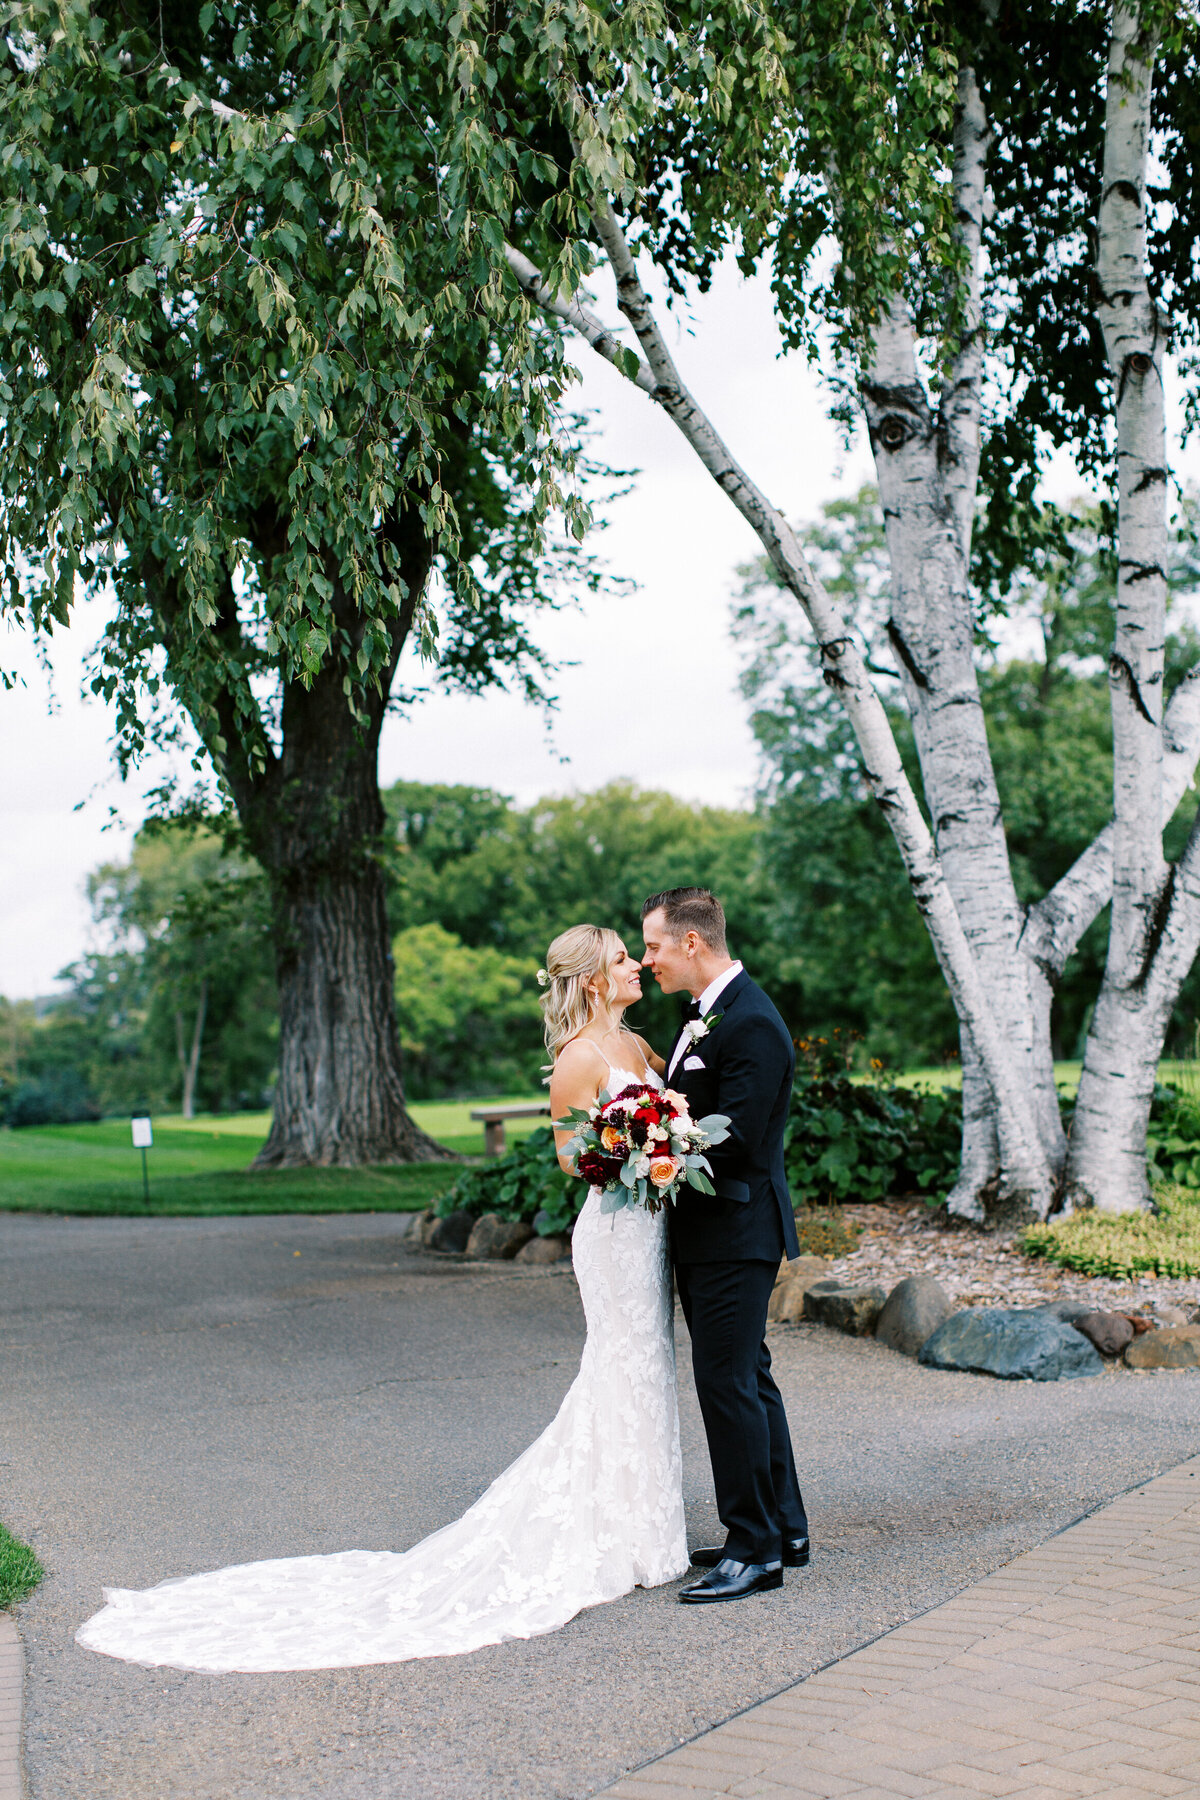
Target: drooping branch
pixel 604 342
pixel 844 670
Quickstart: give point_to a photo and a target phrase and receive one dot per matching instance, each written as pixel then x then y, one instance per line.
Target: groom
pixel 734 1056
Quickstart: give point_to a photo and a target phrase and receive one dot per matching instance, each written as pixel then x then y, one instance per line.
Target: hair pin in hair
pixel 543 980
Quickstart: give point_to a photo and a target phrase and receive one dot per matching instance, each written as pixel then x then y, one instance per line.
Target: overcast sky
pixel 653 695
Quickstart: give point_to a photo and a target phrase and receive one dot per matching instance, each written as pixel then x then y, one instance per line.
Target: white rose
pixel 642 1167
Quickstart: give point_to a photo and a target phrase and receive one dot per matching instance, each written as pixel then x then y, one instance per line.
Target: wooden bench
pixel 494 1118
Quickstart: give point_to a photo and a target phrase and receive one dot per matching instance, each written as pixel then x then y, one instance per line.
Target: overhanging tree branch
pixel 844 670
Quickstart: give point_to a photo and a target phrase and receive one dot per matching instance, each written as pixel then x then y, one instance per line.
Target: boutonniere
pixel 700 1028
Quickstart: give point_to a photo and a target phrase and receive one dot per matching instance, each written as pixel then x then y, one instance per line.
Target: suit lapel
pixel 728 997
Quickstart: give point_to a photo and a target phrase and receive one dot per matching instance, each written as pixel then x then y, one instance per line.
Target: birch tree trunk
pixel 191 1067
pixel 927 464
pixel 1106 1167
pixel 1025 1183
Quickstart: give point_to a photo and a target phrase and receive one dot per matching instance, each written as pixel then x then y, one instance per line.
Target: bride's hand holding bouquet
pixel 641 1146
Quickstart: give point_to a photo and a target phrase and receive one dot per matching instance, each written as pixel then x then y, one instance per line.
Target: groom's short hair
pixel 690 909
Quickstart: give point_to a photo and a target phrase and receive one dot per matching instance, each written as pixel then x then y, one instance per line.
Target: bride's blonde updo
pixel 574 959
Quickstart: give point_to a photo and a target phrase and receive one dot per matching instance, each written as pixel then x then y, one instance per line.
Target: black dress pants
pixel 754 1472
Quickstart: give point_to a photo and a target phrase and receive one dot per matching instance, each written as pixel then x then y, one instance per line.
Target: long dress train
pixel 592 1509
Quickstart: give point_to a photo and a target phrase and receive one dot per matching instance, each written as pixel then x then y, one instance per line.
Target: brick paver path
pixel 11 1680
pixel 1074 1670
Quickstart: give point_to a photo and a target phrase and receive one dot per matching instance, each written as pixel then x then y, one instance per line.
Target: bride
pixel 592 1509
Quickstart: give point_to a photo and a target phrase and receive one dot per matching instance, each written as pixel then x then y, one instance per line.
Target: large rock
pixel 496 1237
pixel 1109 1331
pixel 1166 1314
pixel 1066 1310
pixel 850 1309
pixel 544 1250
pixel 1174 1347
pixel 451 1233
pixel 912 1312
pixel 1014 1343
pixel 793 1281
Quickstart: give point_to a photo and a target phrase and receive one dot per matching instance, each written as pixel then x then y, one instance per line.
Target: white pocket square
pixel 693 1062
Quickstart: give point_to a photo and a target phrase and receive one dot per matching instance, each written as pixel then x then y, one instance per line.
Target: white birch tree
pixel 920 381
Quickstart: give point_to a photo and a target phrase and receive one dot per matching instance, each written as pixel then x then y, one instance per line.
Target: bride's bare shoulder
pixel 578 1056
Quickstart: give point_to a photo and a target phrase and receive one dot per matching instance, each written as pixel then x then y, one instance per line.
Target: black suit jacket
pixel 747 1063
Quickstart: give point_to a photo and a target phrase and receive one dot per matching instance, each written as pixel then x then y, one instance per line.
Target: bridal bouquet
pixel 641 1146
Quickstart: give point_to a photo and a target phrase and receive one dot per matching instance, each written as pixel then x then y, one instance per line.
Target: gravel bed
pixel 978 1269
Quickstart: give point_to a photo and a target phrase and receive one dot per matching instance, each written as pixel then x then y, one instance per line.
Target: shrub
pixel 60 1098
pixel 1123 1245
pixel 525 1183
pixel 866 1140
pixel 824 1231
pixel 1173 1137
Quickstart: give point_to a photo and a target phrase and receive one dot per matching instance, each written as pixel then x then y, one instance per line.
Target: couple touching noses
pixel 732 1055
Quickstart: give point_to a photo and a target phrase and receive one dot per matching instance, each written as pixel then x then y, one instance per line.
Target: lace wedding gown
pixel 592 1509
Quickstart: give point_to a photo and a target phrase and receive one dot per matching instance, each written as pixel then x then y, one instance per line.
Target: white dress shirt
pixel 707 1001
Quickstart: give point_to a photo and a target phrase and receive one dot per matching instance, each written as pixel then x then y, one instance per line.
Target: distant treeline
pixel 177 1009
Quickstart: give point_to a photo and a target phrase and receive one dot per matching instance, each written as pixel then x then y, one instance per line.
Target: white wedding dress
pixel 592 1509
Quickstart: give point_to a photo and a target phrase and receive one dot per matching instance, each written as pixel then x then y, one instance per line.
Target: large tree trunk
pixel 313 818
pixel 318 831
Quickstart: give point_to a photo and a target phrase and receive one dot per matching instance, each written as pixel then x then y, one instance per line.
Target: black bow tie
pixel 691 1011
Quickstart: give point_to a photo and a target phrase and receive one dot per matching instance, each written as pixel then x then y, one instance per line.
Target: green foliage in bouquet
pixel 865 1140
pixel 526 1183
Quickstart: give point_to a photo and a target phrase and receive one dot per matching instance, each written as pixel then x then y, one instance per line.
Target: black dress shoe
pixel 731 1580
pixel 795 1555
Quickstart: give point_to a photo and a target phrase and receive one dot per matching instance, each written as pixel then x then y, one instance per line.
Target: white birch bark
pixel 927 463
pixel 1106 1166
pixel 192 1067
pixel 1025 1180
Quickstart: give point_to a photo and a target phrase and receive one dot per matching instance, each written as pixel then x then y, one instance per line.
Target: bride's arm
pixel 578 1076
pixel 653 1061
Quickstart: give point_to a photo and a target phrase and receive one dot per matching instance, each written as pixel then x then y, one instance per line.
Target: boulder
pixel 1066 1310
pixel 1109 1331
pixel 450 1235
pixel 912 1312
pixel 850 1309
pixel 427 1223
pixel 1139 1323
pixel 791 1284
pixel 1015 1343
pixel 1165 1314
pixel 1174 1347
pixel 544 1250
pixel 496 1237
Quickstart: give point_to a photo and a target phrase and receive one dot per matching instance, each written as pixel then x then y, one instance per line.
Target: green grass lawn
pixel 20 1570
pixel 200 1166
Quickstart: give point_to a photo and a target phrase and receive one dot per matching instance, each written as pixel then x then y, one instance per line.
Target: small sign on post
pixel 143 1140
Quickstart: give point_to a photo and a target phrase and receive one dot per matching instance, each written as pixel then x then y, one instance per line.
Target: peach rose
pixel 663 1170
pixel 612 1139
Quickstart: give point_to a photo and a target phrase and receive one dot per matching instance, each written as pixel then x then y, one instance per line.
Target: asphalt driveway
pixel 180 1394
